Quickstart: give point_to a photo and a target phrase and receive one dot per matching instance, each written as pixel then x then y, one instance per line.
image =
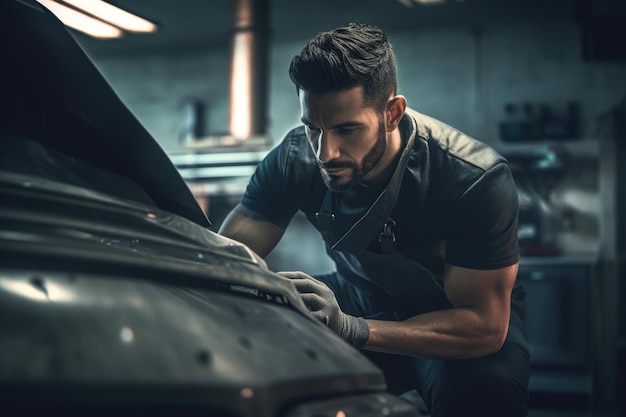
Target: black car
pixel 115 295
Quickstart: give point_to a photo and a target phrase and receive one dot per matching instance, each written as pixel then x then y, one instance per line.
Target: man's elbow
pixel 493 340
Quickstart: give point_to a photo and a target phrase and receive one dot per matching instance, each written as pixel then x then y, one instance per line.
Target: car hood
pixel 45 222
pixel 98 339
pixel 112 289
pixel 49 68
pixel 113 301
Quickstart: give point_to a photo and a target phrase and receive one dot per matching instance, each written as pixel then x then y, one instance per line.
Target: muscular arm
pixel 475 327
pixel 245 227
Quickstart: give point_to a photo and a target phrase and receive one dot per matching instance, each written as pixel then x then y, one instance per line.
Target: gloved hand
pixel 320 299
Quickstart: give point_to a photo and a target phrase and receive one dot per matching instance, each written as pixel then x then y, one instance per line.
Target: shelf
pixel 578 147
pixel 558 260
pixel 211 166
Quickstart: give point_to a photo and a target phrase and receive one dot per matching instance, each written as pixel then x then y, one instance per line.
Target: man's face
pixel 347 138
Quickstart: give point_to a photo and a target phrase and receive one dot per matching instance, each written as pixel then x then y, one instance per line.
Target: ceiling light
pixel 429 2
pixel 114 15
pixel 81 22
pixel 407 3
pixel 411 3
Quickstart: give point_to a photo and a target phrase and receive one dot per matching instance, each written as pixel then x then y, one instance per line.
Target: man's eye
pixel 346 130
pixel 312 129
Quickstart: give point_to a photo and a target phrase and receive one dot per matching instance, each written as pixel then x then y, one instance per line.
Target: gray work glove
pixel 320 299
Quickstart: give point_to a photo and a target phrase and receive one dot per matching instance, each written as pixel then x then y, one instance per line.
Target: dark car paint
pixel 52 84
pixel 114 296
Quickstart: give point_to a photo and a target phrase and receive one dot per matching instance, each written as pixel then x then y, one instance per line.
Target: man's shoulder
pixel 295 138
pixel 296 160
pixel 450 142
pixel 288 174
pixel 295 147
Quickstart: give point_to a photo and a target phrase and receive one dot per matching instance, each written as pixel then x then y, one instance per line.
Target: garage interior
pixel 211 85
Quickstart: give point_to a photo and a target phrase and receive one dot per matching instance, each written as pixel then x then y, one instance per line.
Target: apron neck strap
pixel 369 225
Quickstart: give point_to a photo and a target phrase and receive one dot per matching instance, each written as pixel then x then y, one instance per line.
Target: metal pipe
pixel 248 76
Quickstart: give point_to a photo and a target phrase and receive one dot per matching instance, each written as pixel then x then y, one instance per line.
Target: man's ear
pixel 396 106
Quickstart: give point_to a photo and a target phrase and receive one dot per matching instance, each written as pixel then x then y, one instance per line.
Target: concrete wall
pixel 154 87
pixel 459 75
pixel 455 75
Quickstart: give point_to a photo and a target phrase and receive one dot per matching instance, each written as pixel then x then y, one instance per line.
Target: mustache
pixel 330 165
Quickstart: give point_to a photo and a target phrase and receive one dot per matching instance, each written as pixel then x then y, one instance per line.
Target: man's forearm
pixel 446 334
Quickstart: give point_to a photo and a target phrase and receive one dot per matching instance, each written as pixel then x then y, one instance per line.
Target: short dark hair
pixel 346 57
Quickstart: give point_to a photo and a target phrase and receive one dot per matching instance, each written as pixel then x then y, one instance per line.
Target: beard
pixel 373 156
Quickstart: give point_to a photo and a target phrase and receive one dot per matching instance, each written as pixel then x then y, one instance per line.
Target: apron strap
pixel 387 238
pixel 325 216
pixel 364 230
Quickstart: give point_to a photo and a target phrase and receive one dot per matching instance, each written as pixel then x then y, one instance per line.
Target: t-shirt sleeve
pixel 483 224
pixel 266 195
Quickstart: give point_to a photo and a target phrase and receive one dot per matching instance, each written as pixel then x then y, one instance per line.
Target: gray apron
pixel 406 283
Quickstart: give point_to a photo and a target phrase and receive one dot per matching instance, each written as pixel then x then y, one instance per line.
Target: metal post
pixel 248 77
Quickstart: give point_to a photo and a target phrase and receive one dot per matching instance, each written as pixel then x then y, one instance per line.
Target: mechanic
pixel 420 220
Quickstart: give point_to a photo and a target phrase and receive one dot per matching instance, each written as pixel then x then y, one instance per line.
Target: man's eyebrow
pixel 339 125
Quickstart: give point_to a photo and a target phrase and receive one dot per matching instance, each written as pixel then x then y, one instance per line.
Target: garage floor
pixel 556 413
pixel 544 405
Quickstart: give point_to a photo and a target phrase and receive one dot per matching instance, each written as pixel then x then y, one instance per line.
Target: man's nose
pixel 327 147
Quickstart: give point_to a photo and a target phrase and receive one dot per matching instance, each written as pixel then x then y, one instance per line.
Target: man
pixel 420 220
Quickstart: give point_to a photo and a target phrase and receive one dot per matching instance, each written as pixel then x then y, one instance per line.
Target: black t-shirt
pixel 457 203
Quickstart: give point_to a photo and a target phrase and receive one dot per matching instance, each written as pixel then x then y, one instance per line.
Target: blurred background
pixel 544 82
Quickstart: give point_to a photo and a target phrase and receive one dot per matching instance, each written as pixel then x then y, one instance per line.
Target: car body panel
pixel 51 77
pixel 115 296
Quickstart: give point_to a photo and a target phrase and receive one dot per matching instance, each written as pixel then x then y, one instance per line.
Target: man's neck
pixel 389 161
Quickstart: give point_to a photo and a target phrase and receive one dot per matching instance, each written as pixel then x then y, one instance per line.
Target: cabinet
pixel 587 147
pixel 559 324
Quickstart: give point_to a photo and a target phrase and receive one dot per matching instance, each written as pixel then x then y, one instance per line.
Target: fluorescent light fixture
pixel 114 15
pixel 429 2
pixel 407 3
pixel 76 20
pixel 411 3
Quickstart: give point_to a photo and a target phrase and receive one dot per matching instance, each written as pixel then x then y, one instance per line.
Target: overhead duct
pixel 218 168
pixel 248 72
